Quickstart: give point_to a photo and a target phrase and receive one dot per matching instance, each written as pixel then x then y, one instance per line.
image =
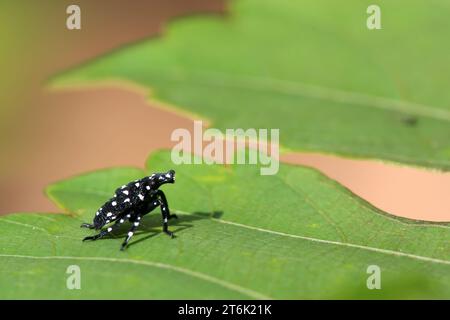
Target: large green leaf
pixel 310 68
pixel 239 235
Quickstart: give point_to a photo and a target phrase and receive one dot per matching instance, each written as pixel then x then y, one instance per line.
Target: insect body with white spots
pixel 131 202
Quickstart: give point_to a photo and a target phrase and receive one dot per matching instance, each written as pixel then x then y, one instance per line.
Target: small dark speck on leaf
pixel 410 121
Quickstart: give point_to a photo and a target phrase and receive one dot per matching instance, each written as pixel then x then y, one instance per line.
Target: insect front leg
pixel 105 232
pixel 165 212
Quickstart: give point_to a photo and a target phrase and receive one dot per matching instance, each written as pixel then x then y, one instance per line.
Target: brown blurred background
pixel 50 135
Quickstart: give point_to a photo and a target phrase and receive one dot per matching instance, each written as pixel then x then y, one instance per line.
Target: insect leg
pixel 131 232
pixel 129 235
pixel 87 225
pixel 105 232
pixel 164 204
pixel 165 212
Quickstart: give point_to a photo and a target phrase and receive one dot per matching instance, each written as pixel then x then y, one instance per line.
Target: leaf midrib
pixel 346 244
pixel 249 292
pixel 289 87
pixel 317 240
pixel 331 242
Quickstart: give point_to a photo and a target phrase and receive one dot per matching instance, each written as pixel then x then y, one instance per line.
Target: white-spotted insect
pixel 131 202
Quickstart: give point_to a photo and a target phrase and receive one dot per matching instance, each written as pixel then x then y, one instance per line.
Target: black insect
pixel 131 202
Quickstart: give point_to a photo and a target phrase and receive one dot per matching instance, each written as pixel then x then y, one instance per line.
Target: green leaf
pixel 239 235
pixel 310 68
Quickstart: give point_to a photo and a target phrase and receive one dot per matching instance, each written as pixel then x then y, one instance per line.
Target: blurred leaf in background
pixel 239 235
pixel 312 69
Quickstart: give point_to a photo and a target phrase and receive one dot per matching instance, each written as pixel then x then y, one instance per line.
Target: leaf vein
pixel 249 292
pixel 337 243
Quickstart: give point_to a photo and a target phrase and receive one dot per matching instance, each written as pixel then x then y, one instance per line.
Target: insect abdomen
pixel 105 215
pixel 99 221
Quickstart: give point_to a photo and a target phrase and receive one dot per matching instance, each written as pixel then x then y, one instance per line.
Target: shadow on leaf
pixel 151 225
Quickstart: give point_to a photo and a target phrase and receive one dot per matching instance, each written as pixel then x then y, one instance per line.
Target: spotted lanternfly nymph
pixel 131 202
